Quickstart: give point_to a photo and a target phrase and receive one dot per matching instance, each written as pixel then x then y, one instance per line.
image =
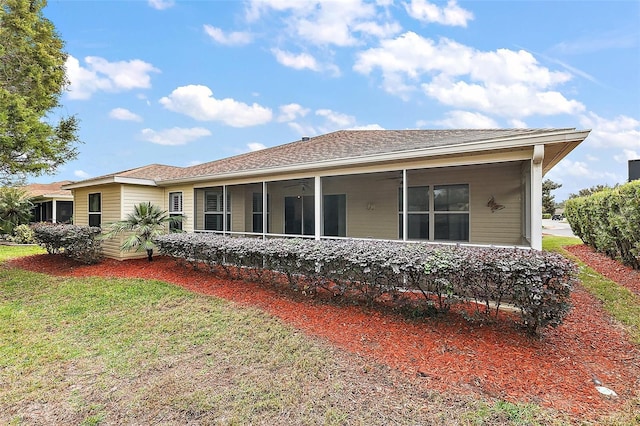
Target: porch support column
pixel 224 210
pixel 264 209
pixel 536 197
pixel 317 206
pixel 405 206
pixel 53 213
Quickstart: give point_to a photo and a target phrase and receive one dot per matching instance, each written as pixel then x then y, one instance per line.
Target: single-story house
pixel 51 203
pixel 463 186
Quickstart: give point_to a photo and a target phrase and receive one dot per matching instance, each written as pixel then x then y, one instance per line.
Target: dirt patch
pixel 449 354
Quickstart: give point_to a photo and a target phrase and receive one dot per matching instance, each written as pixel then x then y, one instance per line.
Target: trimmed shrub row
pixel 80 243
pixel 538 283
pixel 609 221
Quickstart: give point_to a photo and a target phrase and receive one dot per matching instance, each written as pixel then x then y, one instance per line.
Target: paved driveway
pixel 556 227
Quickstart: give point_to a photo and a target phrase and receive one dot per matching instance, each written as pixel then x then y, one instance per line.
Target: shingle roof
pixel 48 189
pixel 345 144
pixel 339 145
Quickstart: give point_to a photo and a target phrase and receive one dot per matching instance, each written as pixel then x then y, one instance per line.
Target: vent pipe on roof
pixel 305 138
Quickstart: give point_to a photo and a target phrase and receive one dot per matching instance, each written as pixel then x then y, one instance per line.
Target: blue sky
pixel 186 82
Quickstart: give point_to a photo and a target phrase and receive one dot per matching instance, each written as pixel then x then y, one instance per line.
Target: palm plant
pixel 15 209
pixel 145 223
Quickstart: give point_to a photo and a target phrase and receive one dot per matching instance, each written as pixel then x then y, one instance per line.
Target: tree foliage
pixel 548 200
pixel 589 191
pixel 32 79
pixel 15 209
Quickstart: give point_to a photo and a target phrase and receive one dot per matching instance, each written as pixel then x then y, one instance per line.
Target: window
pixel 417 214
pixel 440 212
pixel 95 209
pixel 175 209
pixel 214 211
pixel 257 211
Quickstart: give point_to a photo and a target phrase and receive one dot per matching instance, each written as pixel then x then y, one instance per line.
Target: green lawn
pixel 112 351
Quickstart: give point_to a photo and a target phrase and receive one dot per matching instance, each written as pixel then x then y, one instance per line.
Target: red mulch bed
pixel 612 269
pixel 449 353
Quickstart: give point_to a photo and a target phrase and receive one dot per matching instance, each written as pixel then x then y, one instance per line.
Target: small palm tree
pixel 145 223
pixel 15 209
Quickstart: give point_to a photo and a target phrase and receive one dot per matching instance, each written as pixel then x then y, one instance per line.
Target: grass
pixel 12 251
pixel 109 351
pixel 617 300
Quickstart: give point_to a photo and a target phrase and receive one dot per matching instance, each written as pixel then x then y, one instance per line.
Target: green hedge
pixel 80 243
pixel 609 221
pixel 536 282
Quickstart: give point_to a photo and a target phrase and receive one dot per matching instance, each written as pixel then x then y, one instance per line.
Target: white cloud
pixel 102 75
pixel 518 124
pixel 291 112
pixel 161 4
pixel 328 22
pixel 81 174
pixel 620 132
pixel 502 82
pixel 230 39
pixel 467 120
pixel 298 62
pixel 124 114
pixel 626 155
pixel 198 102
pixel 336 120
pixel 174 136
pixel 256 146
pixel 367 127
pixel 428 12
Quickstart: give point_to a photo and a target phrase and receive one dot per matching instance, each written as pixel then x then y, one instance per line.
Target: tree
pixel 145 223
pixel 548 201
pixel 32 79
pixel 589 191
pixel 15 209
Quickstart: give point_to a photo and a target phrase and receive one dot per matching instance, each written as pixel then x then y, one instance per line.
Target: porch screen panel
pixel 335 215
pixel 417 214
pixel 451 212
pixel 214 211
pixel 257 207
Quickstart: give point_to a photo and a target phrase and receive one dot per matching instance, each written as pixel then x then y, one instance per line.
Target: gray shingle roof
pixel 345 144
pixel 339 145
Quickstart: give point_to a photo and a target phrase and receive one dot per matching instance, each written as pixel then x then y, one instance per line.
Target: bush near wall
pixel 609 221
pixel 538 283
pixel 80 243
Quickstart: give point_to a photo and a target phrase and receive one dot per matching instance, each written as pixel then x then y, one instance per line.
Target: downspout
pixel 264 210
pixel 53 213
pixel 536 197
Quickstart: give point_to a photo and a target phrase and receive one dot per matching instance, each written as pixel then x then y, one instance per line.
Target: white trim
pixel 109 180
pixel 317 194
pixel 536 197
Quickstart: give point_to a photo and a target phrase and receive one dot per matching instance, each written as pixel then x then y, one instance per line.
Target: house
pixel 51 203
pixel 462 186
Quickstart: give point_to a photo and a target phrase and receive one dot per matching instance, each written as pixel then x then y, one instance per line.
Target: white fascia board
pixel 459 149
pixel 110 180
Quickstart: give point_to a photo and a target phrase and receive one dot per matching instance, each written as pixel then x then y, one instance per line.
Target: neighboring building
pixel 462 186
pixel 51 202
pixel 634 169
